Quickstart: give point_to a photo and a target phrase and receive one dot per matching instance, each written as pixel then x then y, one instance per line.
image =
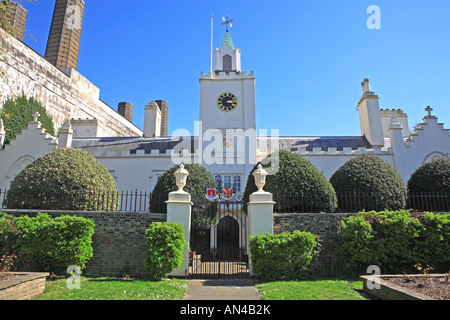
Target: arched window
pixel 227 63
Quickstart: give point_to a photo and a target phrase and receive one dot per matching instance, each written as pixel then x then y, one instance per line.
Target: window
pixel 237 184
pixel 229 181
pixel 218 181
pixel 227 64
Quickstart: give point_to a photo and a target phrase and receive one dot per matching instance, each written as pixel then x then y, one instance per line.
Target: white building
pixel 227 143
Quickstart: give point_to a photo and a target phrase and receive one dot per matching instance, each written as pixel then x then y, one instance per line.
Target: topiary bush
pixel 165 242
pixel 394 240
pixel 367 182
pixel 283 256
pixel 429 186
pixel 64 179
pixel 198 181
pixel 52 245
pixel 297 186
pixel 17 113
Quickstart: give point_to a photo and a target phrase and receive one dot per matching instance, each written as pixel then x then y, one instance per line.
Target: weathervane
pixel 227 22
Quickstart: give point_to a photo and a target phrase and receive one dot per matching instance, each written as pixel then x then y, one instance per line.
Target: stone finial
pixel 260 177
pixel 36 116
pixel 429 109
pixel 365 85
pixel 181 176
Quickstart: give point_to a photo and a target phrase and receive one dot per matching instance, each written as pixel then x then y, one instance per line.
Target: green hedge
pixel 283 256
pixel 46 244
pixel 165 243
pixel 395 241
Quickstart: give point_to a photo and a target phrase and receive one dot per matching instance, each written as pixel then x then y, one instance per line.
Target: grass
pixel 115 289
pixel 311 290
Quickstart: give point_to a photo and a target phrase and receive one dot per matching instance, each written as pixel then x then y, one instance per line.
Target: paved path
pixel 221 290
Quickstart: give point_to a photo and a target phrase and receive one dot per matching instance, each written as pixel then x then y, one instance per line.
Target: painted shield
pixel 211 194
pixel 227 193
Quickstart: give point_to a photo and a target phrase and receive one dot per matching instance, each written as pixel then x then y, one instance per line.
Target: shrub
pixel 283 256
pixel 16 114
pixel 394 240
pixel 165 242
pixel 51 245
pixel 367 182
pixel 297 186
pixel 433 176
pixel 198 181
pixel 429 186
pixel 64 179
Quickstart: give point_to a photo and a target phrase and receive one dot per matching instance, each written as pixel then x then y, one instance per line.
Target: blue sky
pixel 309 57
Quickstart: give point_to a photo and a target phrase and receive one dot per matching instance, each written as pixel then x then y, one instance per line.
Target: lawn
pixel 311 290
pixel 115 289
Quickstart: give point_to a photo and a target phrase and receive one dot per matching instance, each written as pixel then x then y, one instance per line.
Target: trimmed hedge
pixel 367 182
pixel 64 179
pixel 433 176
pixel 16 114
pixel 395 241
pixel 46 244
pixel 197 182
pixel 296 184
pixel 283 256
pixel 165 243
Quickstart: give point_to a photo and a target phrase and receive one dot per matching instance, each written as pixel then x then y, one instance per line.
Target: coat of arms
pixel 211 194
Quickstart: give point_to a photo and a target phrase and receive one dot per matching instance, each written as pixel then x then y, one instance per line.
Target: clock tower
pixel 227 115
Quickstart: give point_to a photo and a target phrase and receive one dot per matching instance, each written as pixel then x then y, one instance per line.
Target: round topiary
pixel 297 186
pixel 64 179
pixel 17 113
pixel 433 176
pixel 197 182
pixel 429 186
pixel 367 182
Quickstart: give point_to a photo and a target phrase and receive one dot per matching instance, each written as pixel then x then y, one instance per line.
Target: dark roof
pixel 163 144
pixel 133 144
pixel 294 143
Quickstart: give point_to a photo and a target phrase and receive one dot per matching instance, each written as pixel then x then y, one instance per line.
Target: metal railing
pixel 79 200
pixel 144 201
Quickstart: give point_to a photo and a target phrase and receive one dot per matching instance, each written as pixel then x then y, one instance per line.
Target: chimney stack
pixel 152 120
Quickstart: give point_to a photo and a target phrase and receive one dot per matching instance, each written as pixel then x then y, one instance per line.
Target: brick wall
pixel 118 241
pixel 324 225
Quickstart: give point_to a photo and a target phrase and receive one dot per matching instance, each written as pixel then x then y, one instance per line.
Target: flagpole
pixel 211 61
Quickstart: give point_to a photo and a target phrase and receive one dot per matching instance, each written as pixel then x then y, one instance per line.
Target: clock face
pixel 227 102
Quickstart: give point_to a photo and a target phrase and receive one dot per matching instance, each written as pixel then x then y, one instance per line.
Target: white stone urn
pixel 181 176
pixel 260 178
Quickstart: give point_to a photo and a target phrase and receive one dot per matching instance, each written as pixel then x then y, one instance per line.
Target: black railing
pixel 79 200
pixel 144 201
pixel 353 202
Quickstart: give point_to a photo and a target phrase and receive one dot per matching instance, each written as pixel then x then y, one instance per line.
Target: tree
pixel 198 181
pixel 367 182
pixel 17 113
pixel 64 179
pixel 297 186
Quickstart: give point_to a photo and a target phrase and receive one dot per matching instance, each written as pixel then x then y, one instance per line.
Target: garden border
pixel 24 286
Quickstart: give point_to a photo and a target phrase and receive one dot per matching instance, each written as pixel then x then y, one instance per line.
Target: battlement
pixel 227 75
pixel 332 151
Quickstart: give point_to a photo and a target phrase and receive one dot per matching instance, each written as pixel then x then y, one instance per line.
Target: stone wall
pixel 323 225
pixel 118 241
pixel 64 93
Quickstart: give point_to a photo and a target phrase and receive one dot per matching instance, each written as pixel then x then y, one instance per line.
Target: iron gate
pixel 219 241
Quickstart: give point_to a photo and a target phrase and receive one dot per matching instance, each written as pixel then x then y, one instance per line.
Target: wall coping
pixel 22 277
